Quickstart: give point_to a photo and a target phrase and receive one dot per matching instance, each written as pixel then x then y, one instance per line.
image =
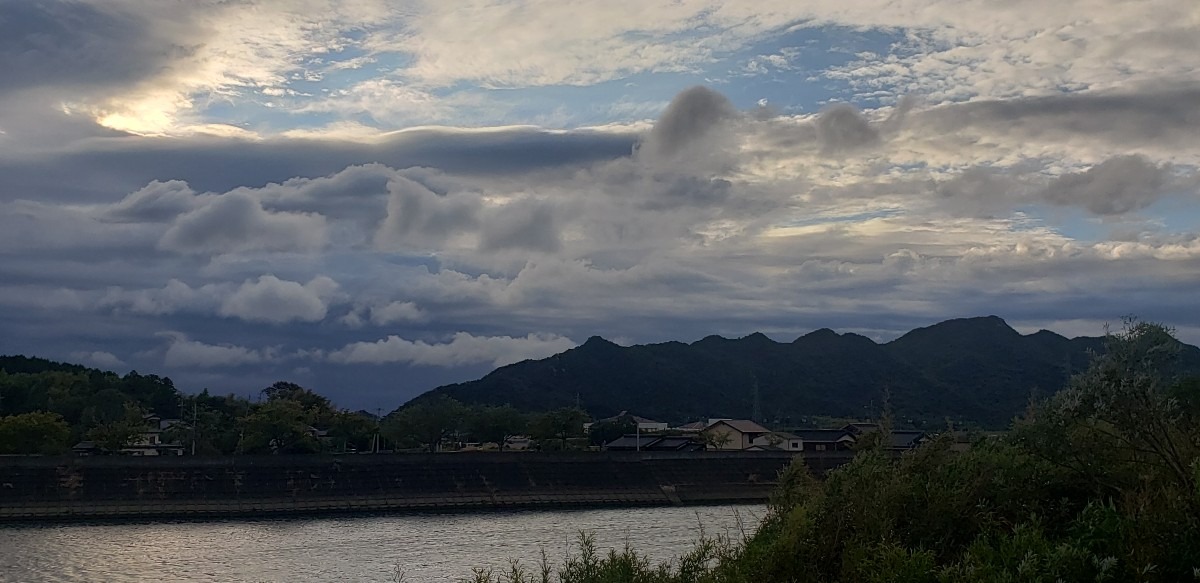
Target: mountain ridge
pixel 977 371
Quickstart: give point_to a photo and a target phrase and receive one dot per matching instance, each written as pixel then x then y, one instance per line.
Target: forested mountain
pixel 974 370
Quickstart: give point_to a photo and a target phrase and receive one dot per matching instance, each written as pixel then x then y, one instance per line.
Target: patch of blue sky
pixel 1070 222
pixel 788 70
pixel 1169 216
pixel 1175 214
pixel 637 97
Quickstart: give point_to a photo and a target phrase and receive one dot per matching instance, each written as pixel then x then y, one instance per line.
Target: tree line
pixel 47 407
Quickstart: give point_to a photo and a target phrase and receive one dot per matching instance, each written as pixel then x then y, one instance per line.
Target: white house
pixel 734 434
pixel 779 440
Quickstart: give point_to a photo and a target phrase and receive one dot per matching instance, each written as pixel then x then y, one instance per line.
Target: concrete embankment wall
pixel 119 487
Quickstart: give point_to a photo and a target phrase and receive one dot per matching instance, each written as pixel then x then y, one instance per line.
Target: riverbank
pixel 184 487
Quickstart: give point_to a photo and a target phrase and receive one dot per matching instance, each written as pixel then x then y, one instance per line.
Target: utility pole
pixel 378 426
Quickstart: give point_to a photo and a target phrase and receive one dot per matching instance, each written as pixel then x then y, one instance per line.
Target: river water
pixel 428 548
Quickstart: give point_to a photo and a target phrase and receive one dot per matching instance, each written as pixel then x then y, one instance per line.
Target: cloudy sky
pixel 373 198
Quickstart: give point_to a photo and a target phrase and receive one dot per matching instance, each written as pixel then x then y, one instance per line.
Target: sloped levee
pixel 122 487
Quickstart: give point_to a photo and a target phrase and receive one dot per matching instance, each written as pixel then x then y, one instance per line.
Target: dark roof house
pixel 654 443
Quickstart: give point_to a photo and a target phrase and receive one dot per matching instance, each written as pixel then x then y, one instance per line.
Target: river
pixel 428 548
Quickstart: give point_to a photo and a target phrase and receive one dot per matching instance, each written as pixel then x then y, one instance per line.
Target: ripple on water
pixel 430 548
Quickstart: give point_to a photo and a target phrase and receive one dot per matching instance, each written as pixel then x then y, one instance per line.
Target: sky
pixel 373 198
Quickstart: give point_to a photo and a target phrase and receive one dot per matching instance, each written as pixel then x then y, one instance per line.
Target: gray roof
pixel 743 425
pixel 906 439
pixel 655 443
pixel 622 414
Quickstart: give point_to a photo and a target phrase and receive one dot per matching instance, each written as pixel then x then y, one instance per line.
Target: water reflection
pixel 429 547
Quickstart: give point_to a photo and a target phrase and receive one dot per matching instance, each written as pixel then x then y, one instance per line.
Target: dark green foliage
pixel 560 424
pixel 107 408
pixel 34 433
pixel 976 371
pixel 278 426
pixel 352 431
pixel 117 432
pixel 496 424
pixel 426 422
pixel 603 432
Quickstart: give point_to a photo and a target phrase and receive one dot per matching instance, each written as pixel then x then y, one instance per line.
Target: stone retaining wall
pixel 179 487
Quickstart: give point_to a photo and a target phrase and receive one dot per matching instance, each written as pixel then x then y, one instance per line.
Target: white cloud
pixel 396 312
pixel 463 349
pixel 175 296
pixel 270 299
pixel 99 358
pixel 186 353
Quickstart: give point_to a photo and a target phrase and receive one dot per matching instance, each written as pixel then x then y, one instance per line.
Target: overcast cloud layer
pixel 373 200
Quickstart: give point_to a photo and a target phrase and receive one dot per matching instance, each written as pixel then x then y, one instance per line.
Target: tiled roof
pixel 743 425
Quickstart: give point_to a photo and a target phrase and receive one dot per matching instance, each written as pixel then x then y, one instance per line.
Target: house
pixel 733 434
pixel 638 442
pixel 825 439
pixel 643 424
pixel 901 440
pixel 779 441
pixel 150 442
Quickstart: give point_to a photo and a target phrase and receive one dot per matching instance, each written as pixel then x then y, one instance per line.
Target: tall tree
pixel 496 424
pixel 278 426
pixel 561 424
pixel 427 421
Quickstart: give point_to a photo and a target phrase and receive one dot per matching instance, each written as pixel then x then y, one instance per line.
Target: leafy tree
pixel 561 424
pixel 116 434
pixel 716 438
pixel 1125 411
pixel 349 430
pixel 278 426
pixel 428 421
pixel 34 433
pixel 496 424
pixel 319 409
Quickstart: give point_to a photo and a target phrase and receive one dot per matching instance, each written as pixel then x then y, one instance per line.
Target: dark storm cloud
pixel 689 117
pixel 1160 116
pixel 101 168
pixel 527 226
pixel 842 128
pixel 1114 187
pixel 237 222
pixel 72 44
pixel 156 202
pixel 419 218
